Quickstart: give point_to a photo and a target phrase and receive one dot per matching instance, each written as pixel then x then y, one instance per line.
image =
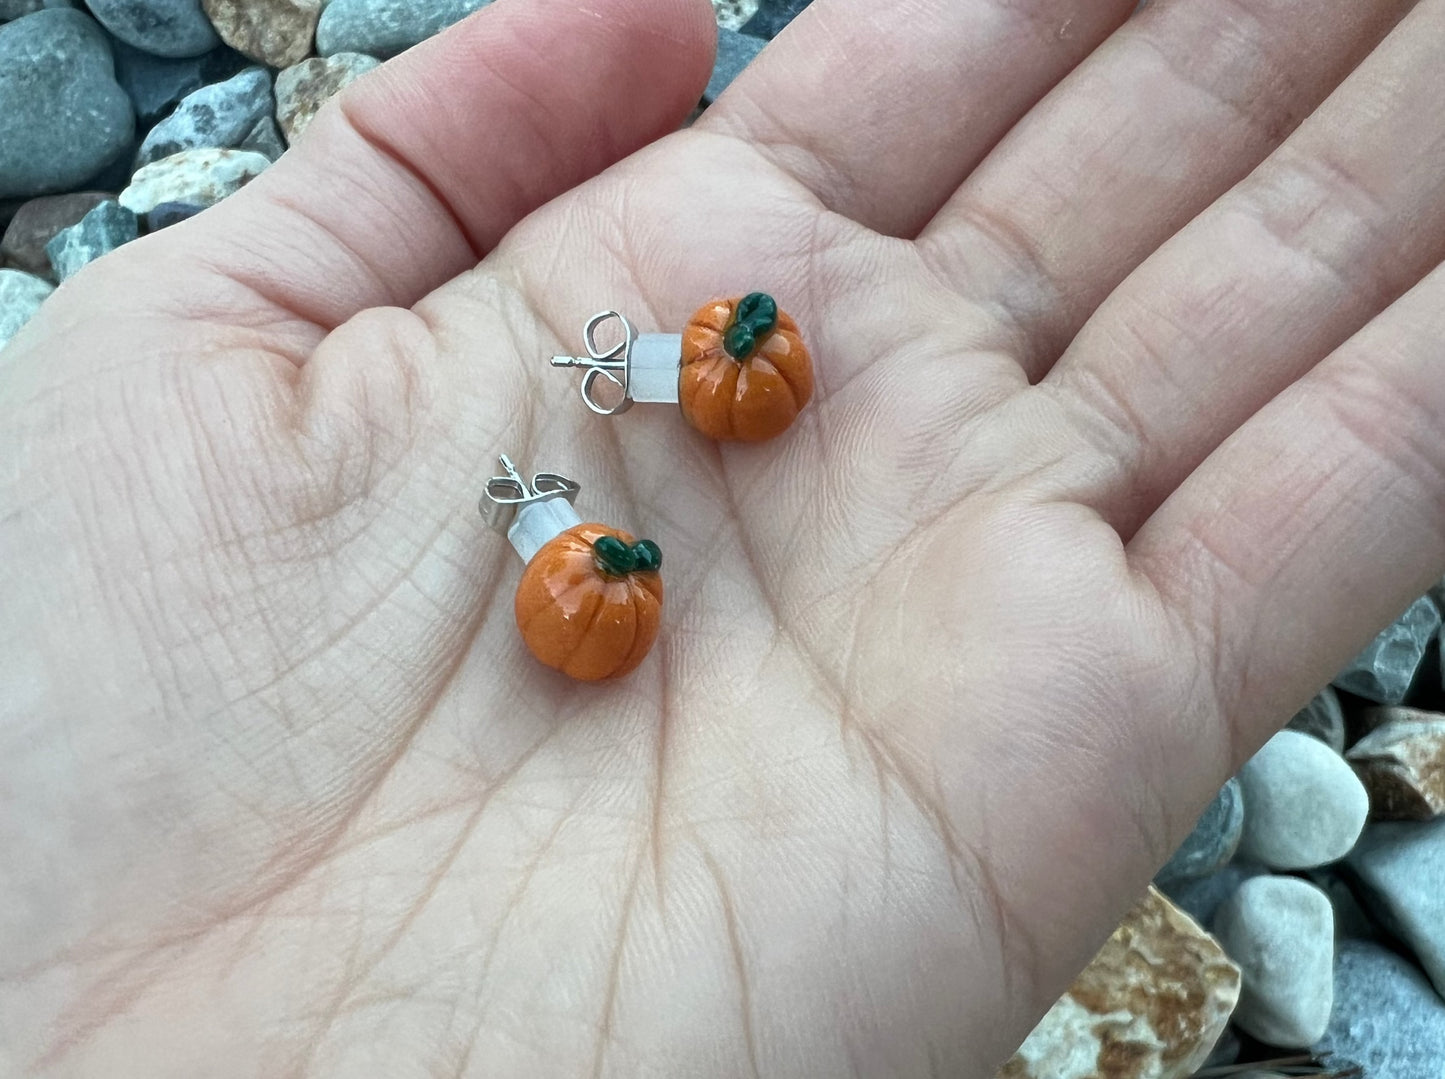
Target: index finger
pixel 882 112
pixel 416 171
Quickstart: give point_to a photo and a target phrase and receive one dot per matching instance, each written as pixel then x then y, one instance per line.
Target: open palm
pixel 944 671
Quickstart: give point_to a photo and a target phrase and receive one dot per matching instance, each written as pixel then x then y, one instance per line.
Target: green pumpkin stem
pixel 613 556
pixel 754 319
pixel 617 559
pixel 649 556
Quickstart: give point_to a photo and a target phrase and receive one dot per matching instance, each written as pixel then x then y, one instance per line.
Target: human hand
pixel 1119 448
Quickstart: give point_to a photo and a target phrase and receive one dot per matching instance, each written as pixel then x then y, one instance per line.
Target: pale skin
pixel 1127 434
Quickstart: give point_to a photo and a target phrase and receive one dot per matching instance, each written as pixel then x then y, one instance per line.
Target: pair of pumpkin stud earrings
pixel 590 597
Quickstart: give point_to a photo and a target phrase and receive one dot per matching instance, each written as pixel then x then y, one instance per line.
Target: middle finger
pixel 1343 218
pixel 1180 104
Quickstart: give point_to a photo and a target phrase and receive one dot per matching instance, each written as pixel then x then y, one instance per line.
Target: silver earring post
pixel 640 367
pixel 529 515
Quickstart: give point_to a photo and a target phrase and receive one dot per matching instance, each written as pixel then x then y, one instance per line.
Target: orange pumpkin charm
pixel 589 602
pixel 739 370
pixel 745 372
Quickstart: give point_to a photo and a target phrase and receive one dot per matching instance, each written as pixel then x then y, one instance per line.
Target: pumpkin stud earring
pixel 590 596
pixel 739 370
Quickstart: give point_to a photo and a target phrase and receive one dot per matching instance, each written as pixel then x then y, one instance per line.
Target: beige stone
pixel 275 32
pixel 195 177
pixel 1402 764
pixel 1151 1005
pixel 302 89
pixel 1381 714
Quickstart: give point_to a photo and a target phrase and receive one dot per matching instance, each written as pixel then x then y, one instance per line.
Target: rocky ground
pixel 120 117
pixel 1318 871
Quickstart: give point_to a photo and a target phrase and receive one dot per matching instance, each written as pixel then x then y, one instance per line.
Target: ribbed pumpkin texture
pixel 581 620
pixel 747 400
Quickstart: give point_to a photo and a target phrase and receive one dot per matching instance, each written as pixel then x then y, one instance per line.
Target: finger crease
pixel 381 146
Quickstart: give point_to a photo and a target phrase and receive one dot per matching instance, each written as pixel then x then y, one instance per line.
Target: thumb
pixel 411 174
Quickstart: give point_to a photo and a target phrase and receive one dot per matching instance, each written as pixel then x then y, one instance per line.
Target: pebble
pixel 301 90
pixel 14 9
pixel 1202 898
pixel 1213 841
pixel 97 233
pixel 199 177
pixel 220 116
pixel 21 295
pixel 1372 719
pixel 732 14
pixel 1323 718
pixel 1384 670
pixel 37 222
pixel 63 117
pixel 735 51
pixel 386 27
pixel 170 213
pixel 1281 932
pixel 1158 995
pixel 1306 806
pixel 1402 764
pixel 155 83
pixel 772 16
pixel 277 33
pixel 265 139
pixel 1386 1018
pixel 159 27
pixel 1400 868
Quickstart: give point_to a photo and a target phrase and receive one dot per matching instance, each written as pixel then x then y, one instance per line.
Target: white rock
pixel 732 14
pixel 21 295
pixel 1281 932
pixel 1304 806
pixel 198 177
